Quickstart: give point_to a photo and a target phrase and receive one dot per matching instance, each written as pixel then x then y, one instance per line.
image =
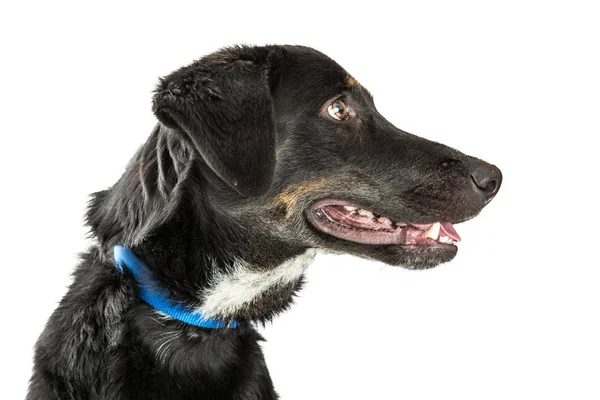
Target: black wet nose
pixel 487 179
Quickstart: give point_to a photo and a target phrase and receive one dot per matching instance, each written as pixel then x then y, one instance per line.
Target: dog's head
pixel 293 146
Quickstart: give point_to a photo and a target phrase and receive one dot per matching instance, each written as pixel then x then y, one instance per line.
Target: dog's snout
pixel 487 179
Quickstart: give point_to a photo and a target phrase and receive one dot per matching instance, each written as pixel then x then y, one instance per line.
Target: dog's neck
pixel 161 209
pixel 230 290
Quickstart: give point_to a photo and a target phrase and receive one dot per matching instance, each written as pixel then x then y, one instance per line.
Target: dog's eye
pixel 338 110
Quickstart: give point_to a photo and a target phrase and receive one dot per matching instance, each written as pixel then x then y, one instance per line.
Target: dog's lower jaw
pixel 427 258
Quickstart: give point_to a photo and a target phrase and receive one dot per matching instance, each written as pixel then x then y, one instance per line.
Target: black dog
pixel 261 155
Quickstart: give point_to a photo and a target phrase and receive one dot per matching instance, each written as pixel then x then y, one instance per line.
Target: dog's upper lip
pixel 345 220
pixel 423 222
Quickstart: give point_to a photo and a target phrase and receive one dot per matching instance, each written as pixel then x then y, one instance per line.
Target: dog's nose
pixel 487 179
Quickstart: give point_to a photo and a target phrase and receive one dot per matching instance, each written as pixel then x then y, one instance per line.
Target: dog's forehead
pixel 311 74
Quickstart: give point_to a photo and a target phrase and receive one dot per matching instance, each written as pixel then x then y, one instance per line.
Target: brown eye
pixel 337 110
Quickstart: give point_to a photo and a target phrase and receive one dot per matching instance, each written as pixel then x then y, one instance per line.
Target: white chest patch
pixel 229 292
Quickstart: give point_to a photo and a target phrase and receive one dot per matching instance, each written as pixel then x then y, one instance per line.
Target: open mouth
pixel 347 221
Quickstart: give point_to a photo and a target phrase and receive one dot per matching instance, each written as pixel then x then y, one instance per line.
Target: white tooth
pixel 350 208
pixel 400 224
pixel 366 213
pixel 385 220
pixel 434 231
pixel 446 239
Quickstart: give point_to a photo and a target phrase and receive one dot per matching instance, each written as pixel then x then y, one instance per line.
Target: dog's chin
pixel 348 228
pixel 407 257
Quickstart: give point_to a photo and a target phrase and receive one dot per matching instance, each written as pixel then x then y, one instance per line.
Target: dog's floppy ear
pixel 223 102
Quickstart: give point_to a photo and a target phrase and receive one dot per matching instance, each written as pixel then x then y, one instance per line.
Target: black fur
pixel 243 148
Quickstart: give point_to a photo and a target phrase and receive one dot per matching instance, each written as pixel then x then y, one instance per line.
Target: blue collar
pixel 158 297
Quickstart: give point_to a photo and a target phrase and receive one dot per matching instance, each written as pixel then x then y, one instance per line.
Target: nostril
pixel 490 187
pixel 487 179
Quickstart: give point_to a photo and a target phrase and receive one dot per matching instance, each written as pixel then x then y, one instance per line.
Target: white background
pixel 514 316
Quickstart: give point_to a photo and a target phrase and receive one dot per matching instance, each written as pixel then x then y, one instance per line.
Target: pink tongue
pixel 446 229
